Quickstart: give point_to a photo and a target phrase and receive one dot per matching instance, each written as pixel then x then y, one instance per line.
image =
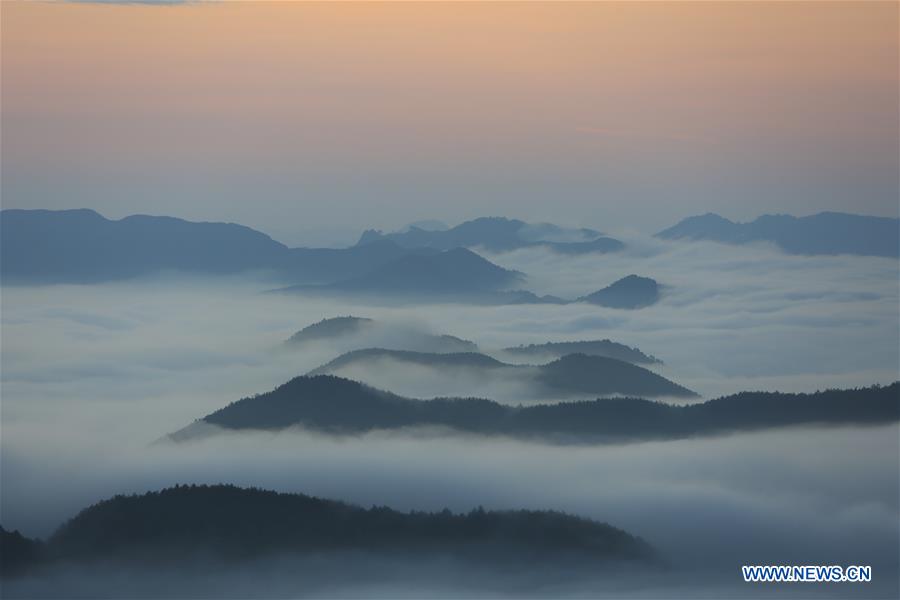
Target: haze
pixel 313 121
pixel 144 353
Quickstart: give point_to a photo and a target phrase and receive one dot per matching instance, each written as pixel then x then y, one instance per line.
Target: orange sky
pixel 197 109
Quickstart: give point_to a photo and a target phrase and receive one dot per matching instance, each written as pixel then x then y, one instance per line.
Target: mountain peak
pixel 368 236
pixel 632 291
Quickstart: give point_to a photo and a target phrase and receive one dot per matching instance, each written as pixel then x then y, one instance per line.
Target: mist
pixel 93 376
pixel 240 168
pixel 730 319
pixel 708 505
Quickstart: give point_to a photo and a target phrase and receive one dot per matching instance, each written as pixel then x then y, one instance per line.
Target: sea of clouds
pixel 93 376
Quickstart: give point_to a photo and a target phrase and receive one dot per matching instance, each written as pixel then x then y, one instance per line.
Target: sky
pixel 314 121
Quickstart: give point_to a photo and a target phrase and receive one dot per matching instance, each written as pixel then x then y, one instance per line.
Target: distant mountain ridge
pixel 605 347
pixel 499 234
pixel 822 233
pixel 458 272
pixel 573 374
pixel 81 246
pixel 336 405
pixel 445 360
pixel 362 330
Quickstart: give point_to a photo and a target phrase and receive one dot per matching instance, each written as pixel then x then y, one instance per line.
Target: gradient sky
pixel 291 117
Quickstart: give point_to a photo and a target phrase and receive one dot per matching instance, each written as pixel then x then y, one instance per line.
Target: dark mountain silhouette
pixel 601 375
pixel 499 234
pixel 629 292
pixel 606 348
pixel 823 233
pixel 81 246
pixel 574 374
pixel 349 329
pixel 452 272
pixel 327 329
pixel 18 553
pixel 336 405
pixel 234 523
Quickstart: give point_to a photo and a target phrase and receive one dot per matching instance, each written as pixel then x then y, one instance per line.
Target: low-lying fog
pixel 92 375
pixel 794 496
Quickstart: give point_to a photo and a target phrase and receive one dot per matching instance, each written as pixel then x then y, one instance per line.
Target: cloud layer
pixel 93 375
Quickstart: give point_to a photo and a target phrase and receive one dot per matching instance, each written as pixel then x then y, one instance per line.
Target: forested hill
pixel 337 405
pixel 237 523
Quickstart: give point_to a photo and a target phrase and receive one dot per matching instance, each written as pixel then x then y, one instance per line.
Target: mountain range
pixel 361 330
pixel 81 246
pixel 358 333
pixel 499 234
pixel 336 405
pixel 608 348
pixel 822 233
pixel 570 375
